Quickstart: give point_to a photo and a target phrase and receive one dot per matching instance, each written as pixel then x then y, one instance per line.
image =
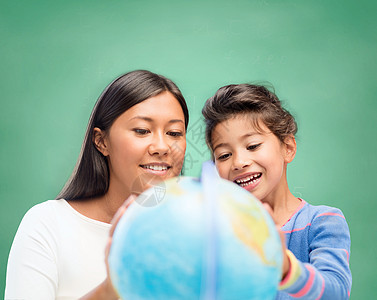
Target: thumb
pixel 286 263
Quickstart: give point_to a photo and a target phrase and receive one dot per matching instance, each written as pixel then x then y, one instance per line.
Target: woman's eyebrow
pixel 176 121
pixel 148 119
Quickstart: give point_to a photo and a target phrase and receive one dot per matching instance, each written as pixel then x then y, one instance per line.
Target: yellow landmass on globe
pixel 174 188
pixel 252 231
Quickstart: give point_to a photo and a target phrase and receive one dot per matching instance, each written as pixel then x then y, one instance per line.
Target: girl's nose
pixel 240 162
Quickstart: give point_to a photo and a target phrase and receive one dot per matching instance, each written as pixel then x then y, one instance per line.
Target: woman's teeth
pixel 155 168
pixel 248 180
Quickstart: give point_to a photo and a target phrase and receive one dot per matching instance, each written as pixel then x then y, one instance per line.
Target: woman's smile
pixel 155 168
pixel 146 143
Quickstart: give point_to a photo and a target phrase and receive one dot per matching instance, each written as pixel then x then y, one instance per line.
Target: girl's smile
pixel 248 181
pixel 254 159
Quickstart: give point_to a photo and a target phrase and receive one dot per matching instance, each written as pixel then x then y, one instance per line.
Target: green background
pixel 57 56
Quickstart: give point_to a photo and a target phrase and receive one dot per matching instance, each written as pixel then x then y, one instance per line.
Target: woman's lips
pixel 160 169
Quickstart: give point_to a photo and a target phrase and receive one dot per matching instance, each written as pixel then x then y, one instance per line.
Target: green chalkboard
pixel 57 56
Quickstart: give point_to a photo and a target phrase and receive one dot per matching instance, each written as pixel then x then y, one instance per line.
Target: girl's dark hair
pixel 254 101
pixel 90 177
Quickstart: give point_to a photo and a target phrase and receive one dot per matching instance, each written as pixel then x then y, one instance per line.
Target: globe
pixel 202 238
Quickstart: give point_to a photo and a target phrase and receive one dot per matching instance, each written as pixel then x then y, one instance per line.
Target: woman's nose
pixel 159 145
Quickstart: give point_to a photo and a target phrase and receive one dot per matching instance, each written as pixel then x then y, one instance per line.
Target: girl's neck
pixel 283 210
pixel 283 204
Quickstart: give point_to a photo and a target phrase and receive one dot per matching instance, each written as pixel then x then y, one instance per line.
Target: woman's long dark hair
pixel 90 178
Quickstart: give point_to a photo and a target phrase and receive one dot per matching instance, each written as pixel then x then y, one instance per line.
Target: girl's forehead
pixel 243 122
pixel 238 130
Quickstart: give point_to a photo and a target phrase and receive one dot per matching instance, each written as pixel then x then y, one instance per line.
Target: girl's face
pixel 254 159
pixel 146 143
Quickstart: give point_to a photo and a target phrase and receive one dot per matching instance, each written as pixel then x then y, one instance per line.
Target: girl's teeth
pixel 249 179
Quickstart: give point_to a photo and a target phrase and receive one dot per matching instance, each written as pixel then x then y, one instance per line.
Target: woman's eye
pixel 253 147
pixel 223 156
pixel 175 133
pixel 141 131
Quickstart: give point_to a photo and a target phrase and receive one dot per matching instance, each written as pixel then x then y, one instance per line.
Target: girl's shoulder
pixel 312 219
pixel 320 217
pixel 308 215
pixel 316 211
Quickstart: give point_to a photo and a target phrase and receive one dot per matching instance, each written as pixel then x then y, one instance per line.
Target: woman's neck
pixel 102 208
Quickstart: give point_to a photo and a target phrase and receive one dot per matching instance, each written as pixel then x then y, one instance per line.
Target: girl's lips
pixel 248 181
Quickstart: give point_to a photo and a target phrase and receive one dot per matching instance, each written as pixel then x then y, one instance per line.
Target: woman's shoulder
pixel 39 216
pixel 59 214
pixel 56 210
pixel 44 210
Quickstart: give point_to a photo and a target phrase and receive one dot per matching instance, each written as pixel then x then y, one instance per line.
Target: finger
pixel 268 208
pixel 270 211
pixel 282 238
pixel 122 209
pixel 120 212
pixel 286 263
pixel 107 249
pixel 129 200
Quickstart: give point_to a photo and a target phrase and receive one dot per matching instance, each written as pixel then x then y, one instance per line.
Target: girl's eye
pixel 224 156
pixel 175 133
pixel 253 147
pixel 141 131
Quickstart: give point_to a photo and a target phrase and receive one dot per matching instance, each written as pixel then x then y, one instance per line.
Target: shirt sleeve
pixel 327 275
pixel 31 271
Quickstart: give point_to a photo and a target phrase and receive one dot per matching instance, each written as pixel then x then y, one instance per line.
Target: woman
pixel 136 134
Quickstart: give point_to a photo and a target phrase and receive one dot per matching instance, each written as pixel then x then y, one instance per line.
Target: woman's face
pixel 146 143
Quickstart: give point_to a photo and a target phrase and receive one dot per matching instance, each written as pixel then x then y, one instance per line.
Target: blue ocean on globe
pixel 206 239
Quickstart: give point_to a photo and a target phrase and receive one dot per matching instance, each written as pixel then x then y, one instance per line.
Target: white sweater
pixel 57 253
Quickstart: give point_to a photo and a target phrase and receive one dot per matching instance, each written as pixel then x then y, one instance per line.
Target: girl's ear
pixel 100 141
pixel 290 148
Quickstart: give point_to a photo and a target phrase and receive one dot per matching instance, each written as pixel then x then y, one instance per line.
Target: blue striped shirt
pixel 319 238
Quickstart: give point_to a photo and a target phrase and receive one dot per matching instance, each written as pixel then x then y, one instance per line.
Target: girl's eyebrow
pixel 249 134
pixel 220 145
pixel 228 144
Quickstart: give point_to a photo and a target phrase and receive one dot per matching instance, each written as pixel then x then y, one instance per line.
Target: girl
pixel 252 140
pixel 136 134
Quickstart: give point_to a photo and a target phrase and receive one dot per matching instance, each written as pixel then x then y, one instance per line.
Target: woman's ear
pixel 290 148
pixel 99 141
